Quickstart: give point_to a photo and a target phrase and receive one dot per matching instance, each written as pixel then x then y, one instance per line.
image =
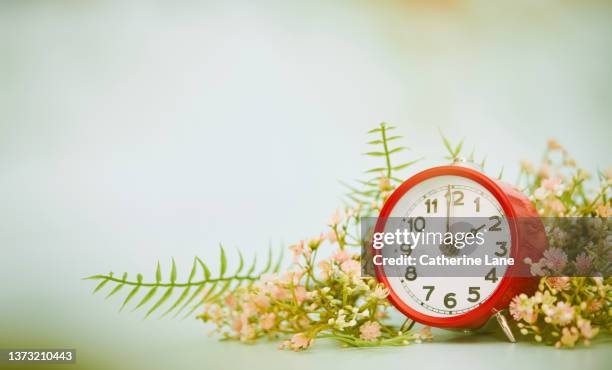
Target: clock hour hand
pixel 474 231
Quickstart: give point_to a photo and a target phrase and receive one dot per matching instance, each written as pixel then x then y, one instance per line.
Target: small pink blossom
pixel 556 206
pixel 583 263
pixel 268 321
pixel 586 329
pixel 558 282
pixel 553 185
pixel 282 294
pixel 298 342
pixel 300 294
pixel 521 308
pixel 230 301
pixel 335 218
pixel 561 314
pixel 340 256
pixel 556 259
pixel 326 268
pixel 380 292
pixel 370 331
pixel 262 301
pixel 351 267
pixel 425 333
pixel 331 236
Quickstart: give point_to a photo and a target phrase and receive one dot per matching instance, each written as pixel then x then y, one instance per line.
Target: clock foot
pixel 503 323
pixel 407 325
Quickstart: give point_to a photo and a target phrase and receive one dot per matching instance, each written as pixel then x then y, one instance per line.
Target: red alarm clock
pixel 512 230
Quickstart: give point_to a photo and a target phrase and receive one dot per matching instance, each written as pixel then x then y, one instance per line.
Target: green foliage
pixel 192 293
pixel 372 191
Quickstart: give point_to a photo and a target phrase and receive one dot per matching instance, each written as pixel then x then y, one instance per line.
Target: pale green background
pixel 132 131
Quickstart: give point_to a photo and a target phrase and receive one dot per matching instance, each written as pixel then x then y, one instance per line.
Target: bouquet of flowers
pixel 326 297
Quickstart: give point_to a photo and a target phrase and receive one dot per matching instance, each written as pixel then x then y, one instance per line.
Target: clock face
pixel 452 202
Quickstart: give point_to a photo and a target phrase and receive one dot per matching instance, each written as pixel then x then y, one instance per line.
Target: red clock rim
pixel 487 308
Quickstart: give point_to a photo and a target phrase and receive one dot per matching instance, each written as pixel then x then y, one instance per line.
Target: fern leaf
pixel 376 169
pixel 253 266
pixel 191 298
pixel 205 269
pixel 223 261
pixel 376 154
pixel 158 274
pixel 101 285
pixel 161 301
pixel 398 149
pixel 279 261
pixel 404 165
pixel 173 272
pixel 240 264
pixel 130 296
pixel 118 287
pixel 269 263
pixel 146 298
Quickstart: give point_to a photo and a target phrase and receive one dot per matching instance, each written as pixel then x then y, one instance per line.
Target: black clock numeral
pixel 411 273
pixel 430 289
pixel 475 291
pixel 495 227
pixel 449 300
pixel 416 224
pixel 457 197
pixel 432 204
pixel 491 275
pixel 502 249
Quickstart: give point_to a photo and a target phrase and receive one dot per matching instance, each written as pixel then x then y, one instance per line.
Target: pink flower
pixel 583 263
pixel 331 236
pixel 370 331
pixel 425 333
pixel 380 292
pixel 586 329
pixel 247 333
pixel 299 342
pixel 325 268
pixel 556 259
pixel 553 185
pixel 237 324
pixel 280 293
pixel 561 314
pixel 300 294
pixel 262 301
pixel 521 308
pixel 297 250
pixel 340 256
pixel 558 282
pixel 268 321
pixel 335 218
pixel 556 206
pixel 230 301
pixel 351 267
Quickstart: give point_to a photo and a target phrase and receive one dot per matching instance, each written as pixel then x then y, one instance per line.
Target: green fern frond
pixel 371 192
pixel 453 152
pixel 193 293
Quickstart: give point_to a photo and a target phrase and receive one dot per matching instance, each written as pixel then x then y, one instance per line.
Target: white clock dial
pixel 445 295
